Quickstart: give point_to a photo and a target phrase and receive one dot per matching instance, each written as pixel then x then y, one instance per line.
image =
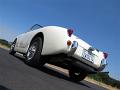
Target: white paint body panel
pixel 55 42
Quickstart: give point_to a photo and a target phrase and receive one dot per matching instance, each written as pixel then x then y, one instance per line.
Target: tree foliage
pixel 4 42
pixel 105 78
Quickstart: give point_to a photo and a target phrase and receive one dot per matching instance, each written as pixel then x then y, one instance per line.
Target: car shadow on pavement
pixel 60 75
pixel 3 88
pixel 54 73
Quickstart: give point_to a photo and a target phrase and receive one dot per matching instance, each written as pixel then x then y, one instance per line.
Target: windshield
pixel 36 26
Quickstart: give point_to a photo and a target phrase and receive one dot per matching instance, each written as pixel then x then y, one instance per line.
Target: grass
pixel 4 47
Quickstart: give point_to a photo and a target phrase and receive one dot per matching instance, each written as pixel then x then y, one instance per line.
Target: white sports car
pixel 59 46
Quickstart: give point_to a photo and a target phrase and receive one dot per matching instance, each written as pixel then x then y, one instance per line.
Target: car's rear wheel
pixel 33 56
pixel 12 51
pixel 77 75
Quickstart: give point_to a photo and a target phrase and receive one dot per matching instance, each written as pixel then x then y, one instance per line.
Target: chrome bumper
pixel 103 62
pixel 73 48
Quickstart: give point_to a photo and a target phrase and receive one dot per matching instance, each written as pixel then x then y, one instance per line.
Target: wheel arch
pixel 40 34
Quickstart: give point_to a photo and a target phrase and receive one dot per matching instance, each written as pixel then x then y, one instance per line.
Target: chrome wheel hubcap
pixel 77 74
pixel 31 52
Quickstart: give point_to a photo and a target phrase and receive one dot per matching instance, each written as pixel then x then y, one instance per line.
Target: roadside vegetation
pixel 105 78
pixel 100 77
pixel 5 43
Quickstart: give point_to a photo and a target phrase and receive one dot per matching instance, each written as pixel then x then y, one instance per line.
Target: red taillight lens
pixel 69 42
pixel 70 32
pixel 105 55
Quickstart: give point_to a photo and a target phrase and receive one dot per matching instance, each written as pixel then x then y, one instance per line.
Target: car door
pixel 23 41
pixel 20 42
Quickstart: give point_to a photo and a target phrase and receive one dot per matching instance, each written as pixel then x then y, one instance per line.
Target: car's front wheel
pixel 33 56
pixel 77 76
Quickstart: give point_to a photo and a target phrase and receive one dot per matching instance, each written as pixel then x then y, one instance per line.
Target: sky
pixel 95 21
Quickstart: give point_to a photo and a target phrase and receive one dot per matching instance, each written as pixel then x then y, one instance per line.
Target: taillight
pixel 69 42
pixel 70 32
pixel 105 55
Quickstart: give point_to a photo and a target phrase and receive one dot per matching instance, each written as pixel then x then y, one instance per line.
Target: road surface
pixel 15 75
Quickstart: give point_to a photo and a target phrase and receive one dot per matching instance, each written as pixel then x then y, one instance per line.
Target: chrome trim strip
pixel 75 44
pixel 103 62
pixel 73 48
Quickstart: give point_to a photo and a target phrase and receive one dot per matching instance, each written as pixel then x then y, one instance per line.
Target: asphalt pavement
pixel 16 75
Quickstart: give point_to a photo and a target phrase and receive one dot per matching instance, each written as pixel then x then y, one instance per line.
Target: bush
pixel 4 42
pixel 105 78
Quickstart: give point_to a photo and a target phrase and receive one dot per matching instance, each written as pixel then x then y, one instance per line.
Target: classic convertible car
pixel 59 46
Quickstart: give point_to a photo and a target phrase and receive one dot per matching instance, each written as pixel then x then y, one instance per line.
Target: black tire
pixel 12 51
pixel 77 76
pixel 33 56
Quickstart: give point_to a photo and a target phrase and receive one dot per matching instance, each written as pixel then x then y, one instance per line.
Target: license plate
pixel 87 56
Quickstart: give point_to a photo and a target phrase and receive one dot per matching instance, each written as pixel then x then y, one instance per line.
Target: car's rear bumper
pixel 68 62
pixel 85 67
pixel 76 53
